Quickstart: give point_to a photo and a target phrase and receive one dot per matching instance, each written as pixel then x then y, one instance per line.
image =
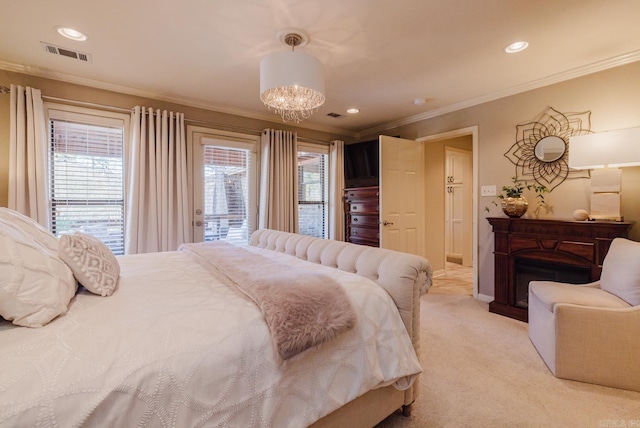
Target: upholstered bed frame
pixel 404 276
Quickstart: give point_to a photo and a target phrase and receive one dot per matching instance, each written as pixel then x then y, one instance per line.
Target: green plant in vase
pixel 513 203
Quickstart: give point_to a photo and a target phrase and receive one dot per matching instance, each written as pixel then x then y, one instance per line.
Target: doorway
pixel 224 183
pixel 436 187
pixel 458 185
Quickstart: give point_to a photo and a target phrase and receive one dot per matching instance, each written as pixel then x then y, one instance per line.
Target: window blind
pixel 86 171
pixel 227 171
pixel 313 193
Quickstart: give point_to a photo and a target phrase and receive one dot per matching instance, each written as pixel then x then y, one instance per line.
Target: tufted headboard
pixel 404 276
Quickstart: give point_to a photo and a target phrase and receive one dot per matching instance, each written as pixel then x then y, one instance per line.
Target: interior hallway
pixel 457 279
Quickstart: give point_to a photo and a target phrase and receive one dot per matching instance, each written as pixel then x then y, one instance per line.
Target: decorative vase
pixel 515 207
pixel 580 215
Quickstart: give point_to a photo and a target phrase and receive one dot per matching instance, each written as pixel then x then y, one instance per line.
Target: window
pixel 313 190
pixel 86 175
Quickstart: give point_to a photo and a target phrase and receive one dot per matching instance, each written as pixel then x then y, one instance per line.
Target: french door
pixel 224 206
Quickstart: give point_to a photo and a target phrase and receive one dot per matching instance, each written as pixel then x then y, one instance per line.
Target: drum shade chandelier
pixel 292 83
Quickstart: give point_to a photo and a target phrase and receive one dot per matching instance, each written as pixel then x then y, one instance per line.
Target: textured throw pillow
pixel 92 262
pixel 35 284
pixel 621 271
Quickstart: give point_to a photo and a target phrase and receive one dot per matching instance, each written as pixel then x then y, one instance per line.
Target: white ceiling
pixel 379 55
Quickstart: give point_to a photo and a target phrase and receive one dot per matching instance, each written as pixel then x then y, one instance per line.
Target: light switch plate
pixel 488 191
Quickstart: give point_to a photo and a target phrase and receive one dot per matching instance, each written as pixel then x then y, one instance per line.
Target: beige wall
pixel 612 96
pixel 57 89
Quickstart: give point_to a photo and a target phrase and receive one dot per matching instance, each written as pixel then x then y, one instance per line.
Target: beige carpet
pixel 481 370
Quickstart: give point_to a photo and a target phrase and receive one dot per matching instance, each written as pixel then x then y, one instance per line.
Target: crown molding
pixel 535 84
pixel 69 78
pixel 595 67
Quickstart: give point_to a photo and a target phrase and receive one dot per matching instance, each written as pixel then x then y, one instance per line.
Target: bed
pixel 176 341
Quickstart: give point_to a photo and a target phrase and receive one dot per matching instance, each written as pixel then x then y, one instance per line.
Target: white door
pixel 224 186
pixel 458 177
pixel 402 195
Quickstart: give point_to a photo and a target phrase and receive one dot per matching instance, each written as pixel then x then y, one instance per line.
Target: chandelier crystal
pixel 292 103
pixel 292 83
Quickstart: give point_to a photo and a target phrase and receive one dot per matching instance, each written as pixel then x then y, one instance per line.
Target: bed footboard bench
pixel 404 276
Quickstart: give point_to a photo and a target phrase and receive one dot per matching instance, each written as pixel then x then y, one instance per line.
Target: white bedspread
pixel 176 347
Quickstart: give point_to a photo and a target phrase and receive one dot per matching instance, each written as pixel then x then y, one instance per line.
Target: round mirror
pixel 550 148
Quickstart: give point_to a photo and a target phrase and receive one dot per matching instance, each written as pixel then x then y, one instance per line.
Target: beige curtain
pixel 157 199
pixel 28 190
pixel 336 190
pixel 279 181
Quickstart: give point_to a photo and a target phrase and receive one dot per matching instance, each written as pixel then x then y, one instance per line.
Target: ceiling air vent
pixel 57 50
pixel 334 114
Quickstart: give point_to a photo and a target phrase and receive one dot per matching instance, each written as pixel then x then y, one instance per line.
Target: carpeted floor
pixel 481 370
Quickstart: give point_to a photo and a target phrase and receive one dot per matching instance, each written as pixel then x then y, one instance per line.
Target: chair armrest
pixel 589 339
pixel 595 284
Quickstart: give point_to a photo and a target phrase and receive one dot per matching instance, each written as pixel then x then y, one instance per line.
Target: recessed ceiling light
pixel 353 110
pixel 516 47
pixel 72 34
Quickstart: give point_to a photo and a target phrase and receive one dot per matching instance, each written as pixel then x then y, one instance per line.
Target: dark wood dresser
pixel 362 215
pixel 546 249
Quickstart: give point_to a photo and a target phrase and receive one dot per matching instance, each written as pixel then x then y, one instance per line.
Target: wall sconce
pixel 604 153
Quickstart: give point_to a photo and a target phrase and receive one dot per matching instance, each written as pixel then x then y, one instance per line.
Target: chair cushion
pixel 621 271
pixel 550 293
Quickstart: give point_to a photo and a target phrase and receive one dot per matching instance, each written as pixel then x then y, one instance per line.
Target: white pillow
pixel 92 262
pixel 621 271
pixel 35 284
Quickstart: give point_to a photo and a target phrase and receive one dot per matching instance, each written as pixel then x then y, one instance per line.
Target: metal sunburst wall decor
pixel 541 150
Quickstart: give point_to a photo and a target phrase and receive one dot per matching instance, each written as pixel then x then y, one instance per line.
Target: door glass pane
pixel 226 178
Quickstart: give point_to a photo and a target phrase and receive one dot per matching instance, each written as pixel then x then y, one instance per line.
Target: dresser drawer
pixel 362 216
pixel 360 194
pixel 364 207
pixel 364 233
pixel 364 220
pixel 369 242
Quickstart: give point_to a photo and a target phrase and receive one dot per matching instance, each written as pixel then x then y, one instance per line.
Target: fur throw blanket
pixel 301 308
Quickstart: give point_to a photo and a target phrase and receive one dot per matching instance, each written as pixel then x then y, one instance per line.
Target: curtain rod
pixel 221 126
pixel 128 110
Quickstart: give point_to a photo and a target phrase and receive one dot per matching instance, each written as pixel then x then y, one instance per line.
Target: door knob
pixel 198 223
pixel 387 223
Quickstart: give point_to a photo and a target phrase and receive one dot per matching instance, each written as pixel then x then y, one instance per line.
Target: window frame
pixel 323 150
pixel 88 116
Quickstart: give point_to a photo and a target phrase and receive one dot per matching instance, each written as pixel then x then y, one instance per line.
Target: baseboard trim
pixel 438 273
pixel 485 298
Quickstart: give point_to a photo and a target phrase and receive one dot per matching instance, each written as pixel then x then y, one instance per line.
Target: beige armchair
pixel 591 332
